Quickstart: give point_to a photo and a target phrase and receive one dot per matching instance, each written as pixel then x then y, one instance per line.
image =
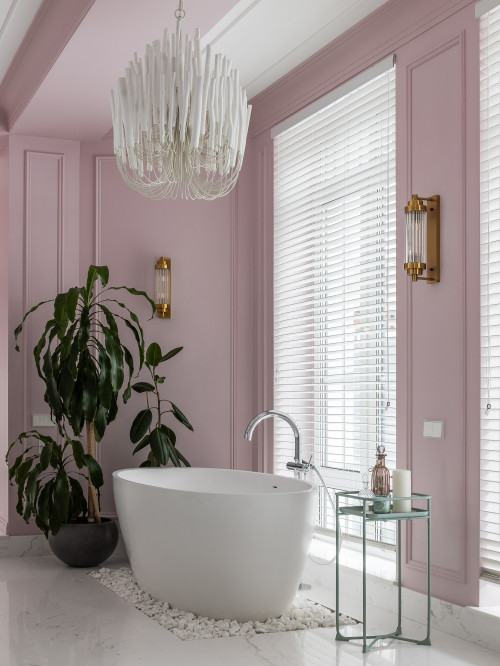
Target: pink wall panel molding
pixel 43 259
pixel 427 161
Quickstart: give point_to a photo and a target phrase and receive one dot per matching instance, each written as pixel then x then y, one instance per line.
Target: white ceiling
pixel 265 39
pixel 268 38
pixel 15 19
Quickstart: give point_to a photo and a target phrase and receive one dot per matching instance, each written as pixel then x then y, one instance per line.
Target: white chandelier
pixel 180 124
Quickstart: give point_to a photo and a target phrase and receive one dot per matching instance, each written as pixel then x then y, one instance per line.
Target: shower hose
pixel 337 525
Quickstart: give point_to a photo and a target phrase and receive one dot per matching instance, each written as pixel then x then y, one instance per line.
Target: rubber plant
pixel 84 365
pixel 160 439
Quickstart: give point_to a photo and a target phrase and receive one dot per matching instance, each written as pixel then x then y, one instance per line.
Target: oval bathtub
pixel 224 544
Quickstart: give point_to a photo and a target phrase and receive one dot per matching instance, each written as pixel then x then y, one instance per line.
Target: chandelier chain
pixel 180 12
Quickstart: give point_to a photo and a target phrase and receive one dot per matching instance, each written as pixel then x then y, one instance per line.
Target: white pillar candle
pixel 401 487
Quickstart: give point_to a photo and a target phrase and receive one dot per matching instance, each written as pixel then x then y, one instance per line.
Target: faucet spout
pixel 297 465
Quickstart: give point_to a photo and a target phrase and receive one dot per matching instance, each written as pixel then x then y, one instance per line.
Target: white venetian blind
pixel 490 290
pixel 335 286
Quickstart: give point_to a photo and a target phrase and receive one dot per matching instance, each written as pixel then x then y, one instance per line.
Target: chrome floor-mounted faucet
pixel 298 465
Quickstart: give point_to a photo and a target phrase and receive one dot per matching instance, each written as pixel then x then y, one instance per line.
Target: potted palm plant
pixel 84 365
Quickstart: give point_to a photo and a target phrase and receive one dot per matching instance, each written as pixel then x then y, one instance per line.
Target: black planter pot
pixel 85 544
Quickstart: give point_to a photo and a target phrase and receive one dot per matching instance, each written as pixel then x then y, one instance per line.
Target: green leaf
pixel 83 335
pixel 52 398
pixel 77 498
pixel 115 354
pixel 61 495
pixel 78 453
pixel 72 298
pixel 181 457
pixel 113 410
pixel 169 433
pixel 89 388
pixel 158 443
pixel 95 272
pixel 142 387
pixel 23 471
pixel 15 464
pixel 54 520
pixel 73 357
pixel 19 328
pixel 60 314
pixel 146 463
pixel 140 425
pixel 67 342
pixel 95 471
pixel 46 455
pixel 153 354
pixel 130 364
pixel 105 389
pixel 47 364
pixel 173 455
pixel 100 422
pixel 172 353
pixel 43 503
pixel 31 492
pixel 139 342
pixel 142 445
pixel 75 412
pixel 110 320
pixel 138 332
pixel 135 292
pixel 159 380
pixel 66 384
pixel 180 416
pixel 37 351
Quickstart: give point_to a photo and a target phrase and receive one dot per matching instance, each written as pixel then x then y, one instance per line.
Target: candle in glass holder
pixel 401 487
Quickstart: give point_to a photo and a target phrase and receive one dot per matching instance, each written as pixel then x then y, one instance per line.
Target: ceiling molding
pixel 376 40
pixel 52 28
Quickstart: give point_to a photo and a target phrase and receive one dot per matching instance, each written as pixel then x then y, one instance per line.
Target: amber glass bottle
pixel 381 482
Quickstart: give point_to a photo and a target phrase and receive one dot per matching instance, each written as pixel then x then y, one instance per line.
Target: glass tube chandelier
pixel 180 120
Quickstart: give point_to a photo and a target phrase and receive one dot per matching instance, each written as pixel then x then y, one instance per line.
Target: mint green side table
pixel 362 511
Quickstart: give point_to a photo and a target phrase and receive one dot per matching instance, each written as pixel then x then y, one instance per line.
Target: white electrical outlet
pixel 434 429
pixel 42 421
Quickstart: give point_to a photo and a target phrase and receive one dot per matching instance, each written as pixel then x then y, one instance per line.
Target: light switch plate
pixel 434 429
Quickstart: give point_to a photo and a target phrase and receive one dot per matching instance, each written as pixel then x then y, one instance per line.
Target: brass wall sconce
pixel 163 279
pixel 422 238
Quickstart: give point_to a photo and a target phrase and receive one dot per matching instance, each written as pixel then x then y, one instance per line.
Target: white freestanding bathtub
pixel 224 544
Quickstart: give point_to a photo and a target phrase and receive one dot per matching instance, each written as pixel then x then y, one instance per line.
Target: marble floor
pixel 51 615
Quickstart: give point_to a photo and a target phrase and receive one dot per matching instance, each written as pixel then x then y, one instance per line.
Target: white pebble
pixel 304 614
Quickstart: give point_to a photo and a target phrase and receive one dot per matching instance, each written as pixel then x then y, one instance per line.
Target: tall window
pixel 335 284
pixel 490 291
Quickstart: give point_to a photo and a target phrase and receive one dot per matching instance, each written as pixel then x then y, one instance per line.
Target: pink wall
pixel 436 47
pixel 128 233
pixel 68 207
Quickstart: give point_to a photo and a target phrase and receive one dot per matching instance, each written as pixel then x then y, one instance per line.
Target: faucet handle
pixel 300 466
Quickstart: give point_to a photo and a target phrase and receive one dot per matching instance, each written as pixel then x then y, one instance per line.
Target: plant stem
pixel 94 515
